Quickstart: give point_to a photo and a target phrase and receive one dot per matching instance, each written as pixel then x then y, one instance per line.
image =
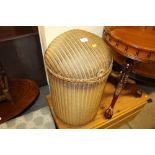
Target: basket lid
pixel 79 55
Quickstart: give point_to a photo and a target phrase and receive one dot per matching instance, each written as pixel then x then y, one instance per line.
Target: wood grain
pixel 126 108
pixel 134 42
pixel 23 93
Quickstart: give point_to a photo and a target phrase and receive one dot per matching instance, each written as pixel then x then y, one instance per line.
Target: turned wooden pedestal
pixel 134 49
pixel 126 108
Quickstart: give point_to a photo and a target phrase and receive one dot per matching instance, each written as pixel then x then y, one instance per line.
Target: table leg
pixel 115 77
pixel 123 80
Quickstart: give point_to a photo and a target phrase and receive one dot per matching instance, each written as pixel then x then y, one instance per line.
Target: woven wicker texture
pixel 78 54
pixel 78 64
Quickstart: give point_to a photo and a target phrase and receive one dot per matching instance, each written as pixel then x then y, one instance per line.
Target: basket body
pixel 77 75
pixel 76 103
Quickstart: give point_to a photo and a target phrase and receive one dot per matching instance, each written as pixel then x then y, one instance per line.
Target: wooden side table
pixel 135 45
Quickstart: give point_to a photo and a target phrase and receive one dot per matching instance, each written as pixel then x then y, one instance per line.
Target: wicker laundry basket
pixel 78 65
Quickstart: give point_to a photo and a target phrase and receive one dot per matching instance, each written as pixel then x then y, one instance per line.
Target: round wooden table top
pixel 135 42
pixel 23 93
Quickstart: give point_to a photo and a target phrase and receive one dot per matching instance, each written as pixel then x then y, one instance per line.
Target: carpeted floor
pixel 38 119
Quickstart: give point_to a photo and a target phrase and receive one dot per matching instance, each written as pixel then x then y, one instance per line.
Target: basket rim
pixel 90 80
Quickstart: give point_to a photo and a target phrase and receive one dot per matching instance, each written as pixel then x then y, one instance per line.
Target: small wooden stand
pixel 126 108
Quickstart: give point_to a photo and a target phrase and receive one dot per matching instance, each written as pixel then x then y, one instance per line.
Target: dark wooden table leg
pixel 115 77
pixel 123 80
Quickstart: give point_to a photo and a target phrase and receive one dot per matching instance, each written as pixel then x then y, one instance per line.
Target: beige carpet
pixel 39 119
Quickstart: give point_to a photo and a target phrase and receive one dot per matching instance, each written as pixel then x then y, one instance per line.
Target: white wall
pixel 48 33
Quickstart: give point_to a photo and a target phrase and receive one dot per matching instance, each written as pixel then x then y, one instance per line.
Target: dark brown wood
pixel 115 78
pixel 123 80
pixel 14 32
pixel 4 88
pixel 23 93
pixel 21 55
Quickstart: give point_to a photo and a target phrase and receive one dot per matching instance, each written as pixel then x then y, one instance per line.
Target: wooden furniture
pixel 20 53
pixel 4 88
pixel 133 48
pixel 126 109
pixel 16 32
pixel 23 93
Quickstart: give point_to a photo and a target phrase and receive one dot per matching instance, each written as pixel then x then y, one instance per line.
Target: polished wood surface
pixel 123 80
pixel 133 42
pixel 4 88
pixel 140 39
pixel 23 93
pixel 142 69
pixel 127 107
